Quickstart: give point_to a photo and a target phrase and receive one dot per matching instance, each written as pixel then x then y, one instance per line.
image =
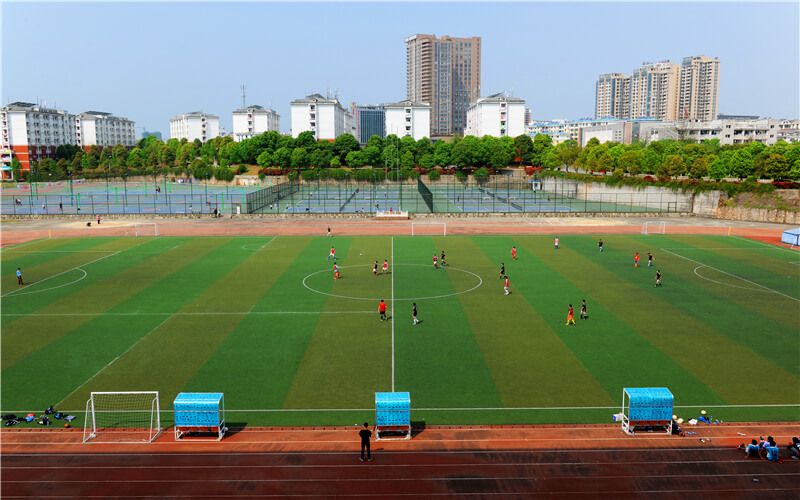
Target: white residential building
pixel 32 132
pixel 254 120
pixel 408 118
pixel 324 117
pixel 96 128
pixel 728 132
pixel 497 115
pixel 195 125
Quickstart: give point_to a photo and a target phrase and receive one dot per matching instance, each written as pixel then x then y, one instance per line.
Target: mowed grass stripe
pixel 438 360
pixel 613 352
pixel 42 251
pixel 47 281
pixel 168 356
pixel 256 363
pixel 348 358
pixel 518 345
pixel 759 269
pixel 731 370
pixel 774 317
pixel 114 280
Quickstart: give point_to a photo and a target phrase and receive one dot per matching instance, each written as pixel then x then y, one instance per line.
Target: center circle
pixel 448 268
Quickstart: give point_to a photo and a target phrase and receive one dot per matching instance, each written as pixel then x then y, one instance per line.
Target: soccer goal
pixel 654 227
pixel 146 229
pixel 114 417
pixel 428 229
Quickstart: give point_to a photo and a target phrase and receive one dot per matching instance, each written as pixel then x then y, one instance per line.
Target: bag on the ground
pixel 9 416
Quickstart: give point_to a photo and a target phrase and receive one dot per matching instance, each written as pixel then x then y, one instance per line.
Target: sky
pixel 150 61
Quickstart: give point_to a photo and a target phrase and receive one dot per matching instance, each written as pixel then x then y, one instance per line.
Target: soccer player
pixel 570 316
pixel 600 244
pixel 385 266
pixel 336 272
pixel 513 253
pixel 375 269
pixel 505 287
pixel 443 262
pixel 584 314
pixel 332 254
pixel 435 262
pixel 636 260
pixel 556 242
pixel 414 312
pixel 502 270
pixel 649 259
pixel 329 231
pixel 658 277
pixel 382 310
pixel 19 276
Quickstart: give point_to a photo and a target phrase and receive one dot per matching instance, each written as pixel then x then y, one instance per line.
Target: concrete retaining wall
pixel 758 215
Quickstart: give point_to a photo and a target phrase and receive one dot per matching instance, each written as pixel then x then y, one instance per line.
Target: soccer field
pixel 262 320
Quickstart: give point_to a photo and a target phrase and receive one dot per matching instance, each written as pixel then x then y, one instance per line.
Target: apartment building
pixel 254 120
pixel 497 115
pixel 97 128
pixel 323 116
pixel 728 132
pixel 408 118
pixel 369 120
pixel 194 125
pixel 32 132
pixel 446 74
pixel 661 91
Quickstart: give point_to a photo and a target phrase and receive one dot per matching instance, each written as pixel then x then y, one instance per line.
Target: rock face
pixel 782 206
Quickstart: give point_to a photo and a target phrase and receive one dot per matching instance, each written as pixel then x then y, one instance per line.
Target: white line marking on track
pixel 393 313
pixel 729 274
pixel 765 244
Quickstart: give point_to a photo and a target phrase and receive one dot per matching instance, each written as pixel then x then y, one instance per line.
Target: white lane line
pixel 733 275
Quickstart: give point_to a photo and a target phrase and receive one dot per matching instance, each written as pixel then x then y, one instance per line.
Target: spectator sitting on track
pixel 752 449
pixel 773 452
pixel 794 448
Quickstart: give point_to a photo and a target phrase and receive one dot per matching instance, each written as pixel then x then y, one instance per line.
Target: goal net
pixel 146 229
pixel 428 229
pixel 654 227
pixel 113 417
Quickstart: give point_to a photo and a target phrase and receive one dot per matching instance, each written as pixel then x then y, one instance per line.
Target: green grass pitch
pixel 262 320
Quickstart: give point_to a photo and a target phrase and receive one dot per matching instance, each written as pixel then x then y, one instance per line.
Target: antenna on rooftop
pixel 244 94
pixel 328 93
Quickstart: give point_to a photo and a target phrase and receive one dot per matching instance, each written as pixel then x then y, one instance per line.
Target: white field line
pixel 55 251
pixel 114 360
pixel 259 249
pixel 393 312
pixel 765 244
pixel 207 313
pixel 68 270
pixel 733 275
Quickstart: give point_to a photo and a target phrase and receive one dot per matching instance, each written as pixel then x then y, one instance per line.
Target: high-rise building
pixel 156 134
pixel 496 115
pixel 408 118
pixel 254 120
pixel 323 116
pixel 369 120
pixel 195 125
pixel 32 132
pixel 699 88
pixel 445 73
pixel 661 91
pixel 97 128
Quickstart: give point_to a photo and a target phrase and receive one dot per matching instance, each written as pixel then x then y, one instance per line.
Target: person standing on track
pixel 19 276
pixel 329 231
pixel 365 434
pixel 382 310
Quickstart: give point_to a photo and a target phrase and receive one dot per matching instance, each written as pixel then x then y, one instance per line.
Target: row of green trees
pixel 274 153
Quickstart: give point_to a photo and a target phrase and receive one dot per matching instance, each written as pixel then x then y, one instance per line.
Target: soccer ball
pixel 361 254
pixel 703 412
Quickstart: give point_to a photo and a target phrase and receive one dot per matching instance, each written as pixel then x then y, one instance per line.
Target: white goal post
pixel 654 227
pixel 113 417
pixel 146 229
pixel 428 229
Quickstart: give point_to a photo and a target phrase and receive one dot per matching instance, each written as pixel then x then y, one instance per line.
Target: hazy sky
pixel 151 61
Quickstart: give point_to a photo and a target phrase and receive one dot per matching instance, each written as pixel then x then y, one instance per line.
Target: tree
pixel 306 140
pixel 498 157
pixel 167 157
pixel 524 149
pixel 335 163
pixel 299 158
pixel 344 144
pixel 606 162
pixel 699 168
pixel 651 160
pixel 375 141
pixel 717 170
pixel 354 159
pixel 407 159
pixel 426 161
pixel 264 160
pixel 320 159
pixel 77 160
pixel 674 165
pixel 631 161
pixel 568 154
pixel 441 154
pixel 551 160
pixel 372 154
pixel 16 168
pixel 777 167
pixel 282 157
pixel 740 164
pixel 461 154
pixel 691 152
pixel 541 144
